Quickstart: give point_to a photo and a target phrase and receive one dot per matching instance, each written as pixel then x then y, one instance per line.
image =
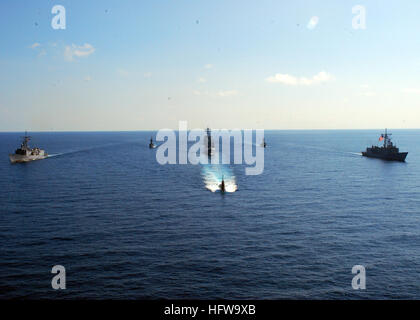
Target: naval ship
pixel 209 143
pixel 386 152
pixel 151 144
pixel 26 154
pixel 264 144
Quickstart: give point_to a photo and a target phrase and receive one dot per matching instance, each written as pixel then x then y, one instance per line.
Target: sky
pixel 267 64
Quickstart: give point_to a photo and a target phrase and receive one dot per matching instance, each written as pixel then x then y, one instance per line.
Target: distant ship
pixel 26 154
pixel 263 144
pixel 222 186
pixel 209 143
pixel 387 152
pixel 151 144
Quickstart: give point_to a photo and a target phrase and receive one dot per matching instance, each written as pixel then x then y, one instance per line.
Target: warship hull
pixel 18 158
pixel 389 157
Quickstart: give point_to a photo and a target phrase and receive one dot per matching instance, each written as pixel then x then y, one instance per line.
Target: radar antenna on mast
pixel 209 142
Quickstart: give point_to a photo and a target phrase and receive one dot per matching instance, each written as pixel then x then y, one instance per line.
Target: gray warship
pixel 388 151
pixel 151 144
pixel 26 154
pixel 264 144
pixel 209 143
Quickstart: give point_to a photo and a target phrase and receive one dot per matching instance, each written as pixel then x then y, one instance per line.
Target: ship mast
pixel 208 142
pixel 386 138
pixel 26 139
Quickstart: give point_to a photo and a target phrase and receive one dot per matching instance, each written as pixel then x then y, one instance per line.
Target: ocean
pixel 126 227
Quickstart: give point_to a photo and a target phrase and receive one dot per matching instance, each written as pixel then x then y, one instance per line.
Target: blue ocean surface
pixel 126 227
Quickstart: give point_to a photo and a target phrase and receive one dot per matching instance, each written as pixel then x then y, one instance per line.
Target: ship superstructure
pixel 209 143
pixel 151 144
pixel 263 144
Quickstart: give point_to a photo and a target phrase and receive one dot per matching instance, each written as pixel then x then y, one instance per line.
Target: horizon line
pixel 164 129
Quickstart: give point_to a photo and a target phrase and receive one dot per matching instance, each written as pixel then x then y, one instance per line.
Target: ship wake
pixel 213 175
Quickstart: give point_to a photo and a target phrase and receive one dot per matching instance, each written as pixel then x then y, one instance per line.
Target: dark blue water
pixel 126 227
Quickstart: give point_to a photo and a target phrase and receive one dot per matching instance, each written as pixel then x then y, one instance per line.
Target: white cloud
pixel 122 72
pixel 201 80
pixel 78 51
pixel 366 92
pixel 88 78
pixel 227 93
pixel 147 74
pixel 411 90
pixel 313 22
pixel 221 93
pixel 290 80
pixel 42 53
pixel 283 78
pixel 369 94
pixel 37 47
pixel 208 66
